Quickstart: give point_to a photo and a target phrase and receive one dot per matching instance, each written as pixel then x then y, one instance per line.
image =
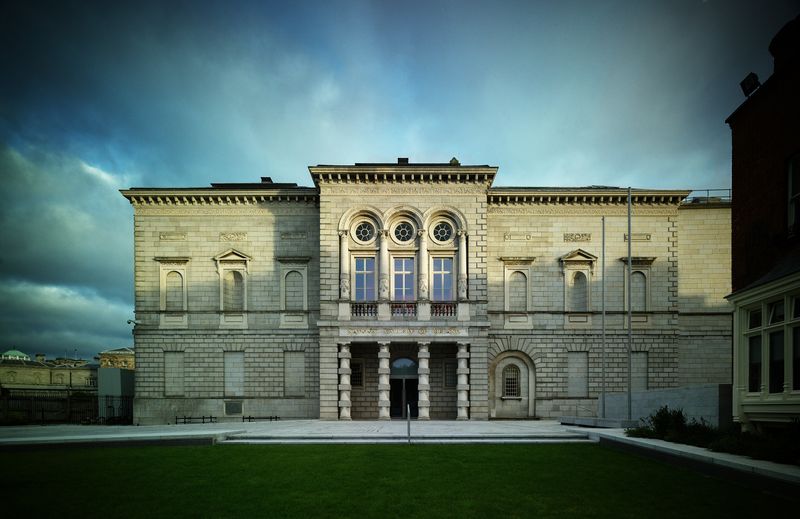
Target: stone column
pixel 344 381
pixel 463 381
pixel 424 387
pixel 383 267
pixel 462 265
pixel 384 370
pixel 422 268
pixel 344 267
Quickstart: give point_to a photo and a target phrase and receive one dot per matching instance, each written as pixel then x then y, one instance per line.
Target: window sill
pixel 510 398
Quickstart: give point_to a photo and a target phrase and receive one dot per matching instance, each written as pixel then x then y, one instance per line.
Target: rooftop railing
pixel 709 196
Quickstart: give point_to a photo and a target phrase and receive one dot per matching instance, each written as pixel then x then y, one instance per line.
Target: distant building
pixel 765 131
pixel 41 390
pixel 18 371
pixel 122 358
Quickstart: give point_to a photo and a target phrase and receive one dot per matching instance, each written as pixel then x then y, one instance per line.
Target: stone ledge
pixel 589 421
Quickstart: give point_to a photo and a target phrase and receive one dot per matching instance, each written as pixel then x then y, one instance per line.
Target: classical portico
pixel 388 379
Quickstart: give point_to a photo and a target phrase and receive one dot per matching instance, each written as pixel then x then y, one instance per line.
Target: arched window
pixel 517 292
pixel 233 292
pixel 511 381
pixel 639 292
pixel 578 293
pixel 174 292
pixel 294 291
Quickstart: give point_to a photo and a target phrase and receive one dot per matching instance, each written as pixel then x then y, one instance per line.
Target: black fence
pixel 20 407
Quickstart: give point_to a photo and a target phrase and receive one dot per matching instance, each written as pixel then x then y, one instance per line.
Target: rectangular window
pixel 776 362
pixel 294 373
pixel 365 279
pixel 639 367
pixel 173 373
pixel 754 320
pixel 357 373
pixel 754 364
pixel 442 279
pixel 450 374
pixel 403 279
pixel 776 313
pixel 234 373
pixel 577 373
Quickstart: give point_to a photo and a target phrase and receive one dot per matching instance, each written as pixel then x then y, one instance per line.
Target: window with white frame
pixel 442 286
pixel 403 279
pixel 364 279
pixel 772 338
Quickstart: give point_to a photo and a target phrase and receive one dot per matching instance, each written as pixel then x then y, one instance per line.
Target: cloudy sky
pixel 98 96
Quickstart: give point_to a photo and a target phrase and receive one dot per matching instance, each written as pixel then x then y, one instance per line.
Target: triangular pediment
pixel 232 255
pixel 578 255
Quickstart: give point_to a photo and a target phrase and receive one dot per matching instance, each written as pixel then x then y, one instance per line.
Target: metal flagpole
pixel 603 325
pixel 630 306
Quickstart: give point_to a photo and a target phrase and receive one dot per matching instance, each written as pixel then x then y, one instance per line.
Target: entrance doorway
pixel 403 389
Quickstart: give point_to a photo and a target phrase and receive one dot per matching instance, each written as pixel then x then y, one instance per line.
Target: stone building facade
pixel 400 287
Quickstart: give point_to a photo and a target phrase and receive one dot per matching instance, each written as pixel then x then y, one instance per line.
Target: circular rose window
pixel 365 231
pixel 404 232
pixel 442 231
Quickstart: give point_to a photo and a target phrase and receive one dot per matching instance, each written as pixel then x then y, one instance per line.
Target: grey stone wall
pixel 711 402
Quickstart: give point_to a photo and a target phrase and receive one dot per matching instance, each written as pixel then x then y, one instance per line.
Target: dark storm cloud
pixel 95 96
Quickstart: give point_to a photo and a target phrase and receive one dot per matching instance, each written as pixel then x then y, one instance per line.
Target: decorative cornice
pixel 538 196
pixel 208 197
pixel 402 174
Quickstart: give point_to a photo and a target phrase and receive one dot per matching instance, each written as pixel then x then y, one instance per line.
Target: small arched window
pixel 639 292
pixel 174 292
pixel 294 291
pixel 511 381
pixel 517 292
pixel 233 292
pixel 579 293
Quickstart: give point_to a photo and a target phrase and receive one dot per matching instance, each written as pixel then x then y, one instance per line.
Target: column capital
pixel 384 233
pixel 424 343
pixel 343 343
pixel 462 233
pixel 384 343
pixel 421 232
pixel 343 233
pixel 462 343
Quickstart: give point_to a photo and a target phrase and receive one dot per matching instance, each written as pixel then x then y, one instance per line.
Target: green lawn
pixel 579 480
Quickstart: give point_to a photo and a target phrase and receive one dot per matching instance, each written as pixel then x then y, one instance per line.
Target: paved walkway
pixel 395 431
pixel 299 431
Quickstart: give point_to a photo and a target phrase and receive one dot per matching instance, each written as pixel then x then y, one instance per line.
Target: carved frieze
pixel 172 236
pixel 405 332
pixel 577 236
pixel 581 210
pixel 294 235
pixel 233 236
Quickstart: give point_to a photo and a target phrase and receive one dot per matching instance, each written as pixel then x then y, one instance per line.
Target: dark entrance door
pixel 402 393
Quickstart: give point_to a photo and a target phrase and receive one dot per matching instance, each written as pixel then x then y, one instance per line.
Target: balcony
pixel 443 310
pixel 364 310
pixel 404 311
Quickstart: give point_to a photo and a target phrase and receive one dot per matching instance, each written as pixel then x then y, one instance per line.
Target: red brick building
pixel 765 132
